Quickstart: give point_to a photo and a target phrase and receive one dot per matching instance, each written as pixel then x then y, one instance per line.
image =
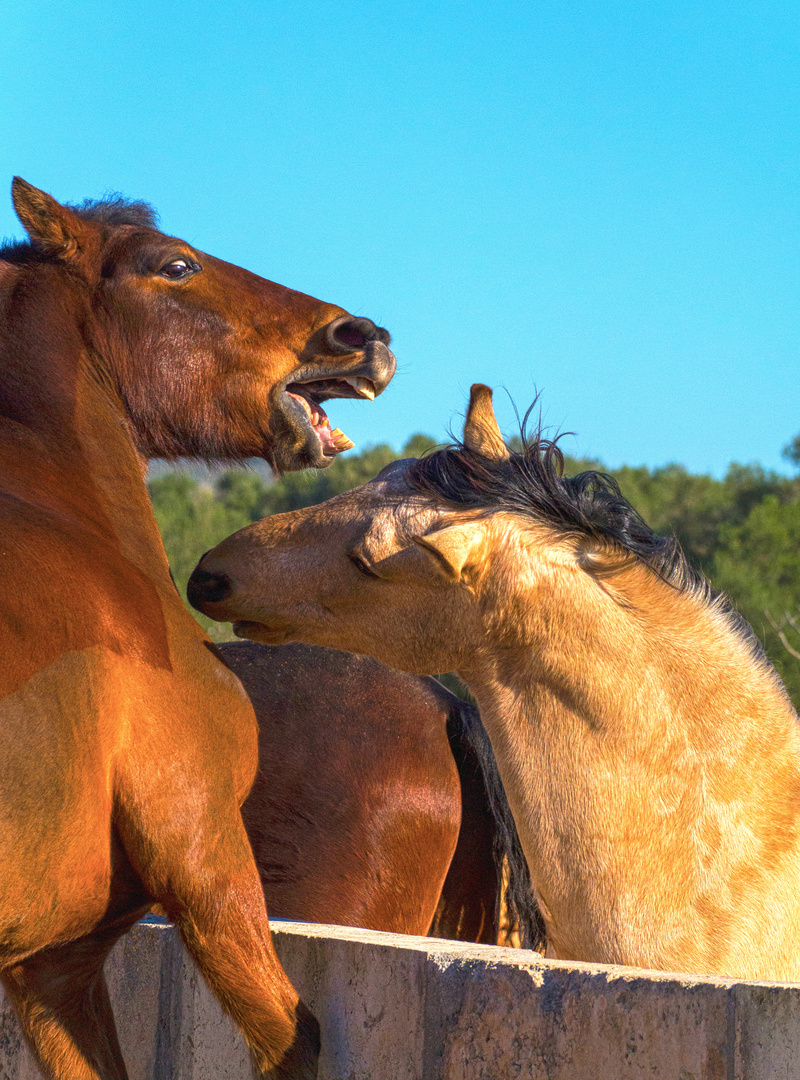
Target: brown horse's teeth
pixel 340 440
pixel 363 387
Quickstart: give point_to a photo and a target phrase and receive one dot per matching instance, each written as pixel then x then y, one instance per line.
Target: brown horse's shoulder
pixel 72 591
pixel 67 590
pixel 344 738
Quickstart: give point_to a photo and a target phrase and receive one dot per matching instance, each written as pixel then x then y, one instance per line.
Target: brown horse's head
pixel 209 360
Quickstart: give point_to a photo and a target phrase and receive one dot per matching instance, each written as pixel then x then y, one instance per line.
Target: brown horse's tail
pixel 487 895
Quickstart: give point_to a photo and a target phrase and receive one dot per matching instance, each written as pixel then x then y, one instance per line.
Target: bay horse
pixel 128 746
pixel 377 801
pixel 650 754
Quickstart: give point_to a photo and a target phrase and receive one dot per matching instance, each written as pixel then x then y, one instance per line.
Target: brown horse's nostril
pixel 347 334
pixel 205 588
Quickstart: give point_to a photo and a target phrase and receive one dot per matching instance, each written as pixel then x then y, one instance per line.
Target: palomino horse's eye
pixel 361 566
pixel 178 268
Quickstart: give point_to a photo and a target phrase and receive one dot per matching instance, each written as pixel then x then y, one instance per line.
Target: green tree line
pixel 742 531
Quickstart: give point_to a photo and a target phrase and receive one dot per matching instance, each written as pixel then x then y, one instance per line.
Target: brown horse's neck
pixel 65 442
pixel 641 743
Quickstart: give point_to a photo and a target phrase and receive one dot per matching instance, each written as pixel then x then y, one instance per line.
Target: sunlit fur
pixel 198 364
pixel 650 753
pixel 377 801
pixel 127 746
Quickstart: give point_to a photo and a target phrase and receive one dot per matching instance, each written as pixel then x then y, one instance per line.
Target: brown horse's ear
pixel 52 227
pixel 481 432
pixel 452 548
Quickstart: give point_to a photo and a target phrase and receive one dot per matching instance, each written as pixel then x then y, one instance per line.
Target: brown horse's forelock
pixel 114 210
pixel 531 484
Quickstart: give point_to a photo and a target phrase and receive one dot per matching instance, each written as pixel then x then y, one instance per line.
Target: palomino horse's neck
pixel 624 652
pixel 652 763
pixel 65 443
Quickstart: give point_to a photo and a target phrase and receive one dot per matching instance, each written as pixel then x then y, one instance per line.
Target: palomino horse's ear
pixel 481 432
pixel 450 549
pixel 52 227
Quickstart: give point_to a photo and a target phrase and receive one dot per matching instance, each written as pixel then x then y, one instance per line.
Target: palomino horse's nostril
pixel 205 588
pixel 347 334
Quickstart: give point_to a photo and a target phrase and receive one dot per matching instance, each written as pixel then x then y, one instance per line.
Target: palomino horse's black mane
pixel 522 911
pixel 531 482
pixel 112 210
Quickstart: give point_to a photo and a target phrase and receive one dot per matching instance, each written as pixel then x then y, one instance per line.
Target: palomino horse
pixel 650 753
pixel 377 801
pixel 127 746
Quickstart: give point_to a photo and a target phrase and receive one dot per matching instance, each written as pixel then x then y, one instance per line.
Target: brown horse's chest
pixel 76 612
pixel 66 591
pixel 196 718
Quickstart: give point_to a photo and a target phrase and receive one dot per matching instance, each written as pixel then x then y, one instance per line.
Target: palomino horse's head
pixel 380 570
pixel 208 359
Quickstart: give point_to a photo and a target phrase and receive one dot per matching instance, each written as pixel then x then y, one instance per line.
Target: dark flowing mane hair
pixel 522 911
pixel 530 482
pixel 113 209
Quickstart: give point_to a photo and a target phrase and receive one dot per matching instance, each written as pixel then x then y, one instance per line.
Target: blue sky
pixel 600 201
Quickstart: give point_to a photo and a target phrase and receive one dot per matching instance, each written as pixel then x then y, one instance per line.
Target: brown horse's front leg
pixel 61 1000
pixel 208 884
pixel 230 942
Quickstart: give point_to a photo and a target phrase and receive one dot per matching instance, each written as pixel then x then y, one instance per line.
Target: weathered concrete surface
pixel 170 1026
pixel 408 1008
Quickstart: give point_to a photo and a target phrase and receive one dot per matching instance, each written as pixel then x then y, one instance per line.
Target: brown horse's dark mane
pixel 114 210
pixel 530 482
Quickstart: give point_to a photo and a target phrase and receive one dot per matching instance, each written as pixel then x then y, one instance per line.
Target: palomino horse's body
pixel 650 754
pixel 127 746
pixel 377 801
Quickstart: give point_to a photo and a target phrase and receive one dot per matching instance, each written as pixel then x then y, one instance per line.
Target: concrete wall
pixel 407 1008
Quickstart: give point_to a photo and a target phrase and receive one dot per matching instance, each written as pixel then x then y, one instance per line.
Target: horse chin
pixel 300 445
pixel 255 631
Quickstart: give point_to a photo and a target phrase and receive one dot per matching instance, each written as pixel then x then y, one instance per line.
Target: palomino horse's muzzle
pixel 204 588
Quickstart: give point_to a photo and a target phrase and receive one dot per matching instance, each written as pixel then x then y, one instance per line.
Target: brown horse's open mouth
pixel 302 405
pixel 307 439
pixel 310 395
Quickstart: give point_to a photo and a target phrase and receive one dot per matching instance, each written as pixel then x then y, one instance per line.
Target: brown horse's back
pixel 378 802
pixel 355 812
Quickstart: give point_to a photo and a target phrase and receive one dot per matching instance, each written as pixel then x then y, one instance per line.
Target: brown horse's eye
pixel 178 268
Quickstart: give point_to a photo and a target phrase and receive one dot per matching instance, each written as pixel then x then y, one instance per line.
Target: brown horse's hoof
pixel 301 1060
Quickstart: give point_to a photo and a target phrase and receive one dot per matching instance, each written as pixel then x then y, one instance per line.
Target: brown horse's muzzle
pixel 347 335
pixel 382 364
pixel 364 371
